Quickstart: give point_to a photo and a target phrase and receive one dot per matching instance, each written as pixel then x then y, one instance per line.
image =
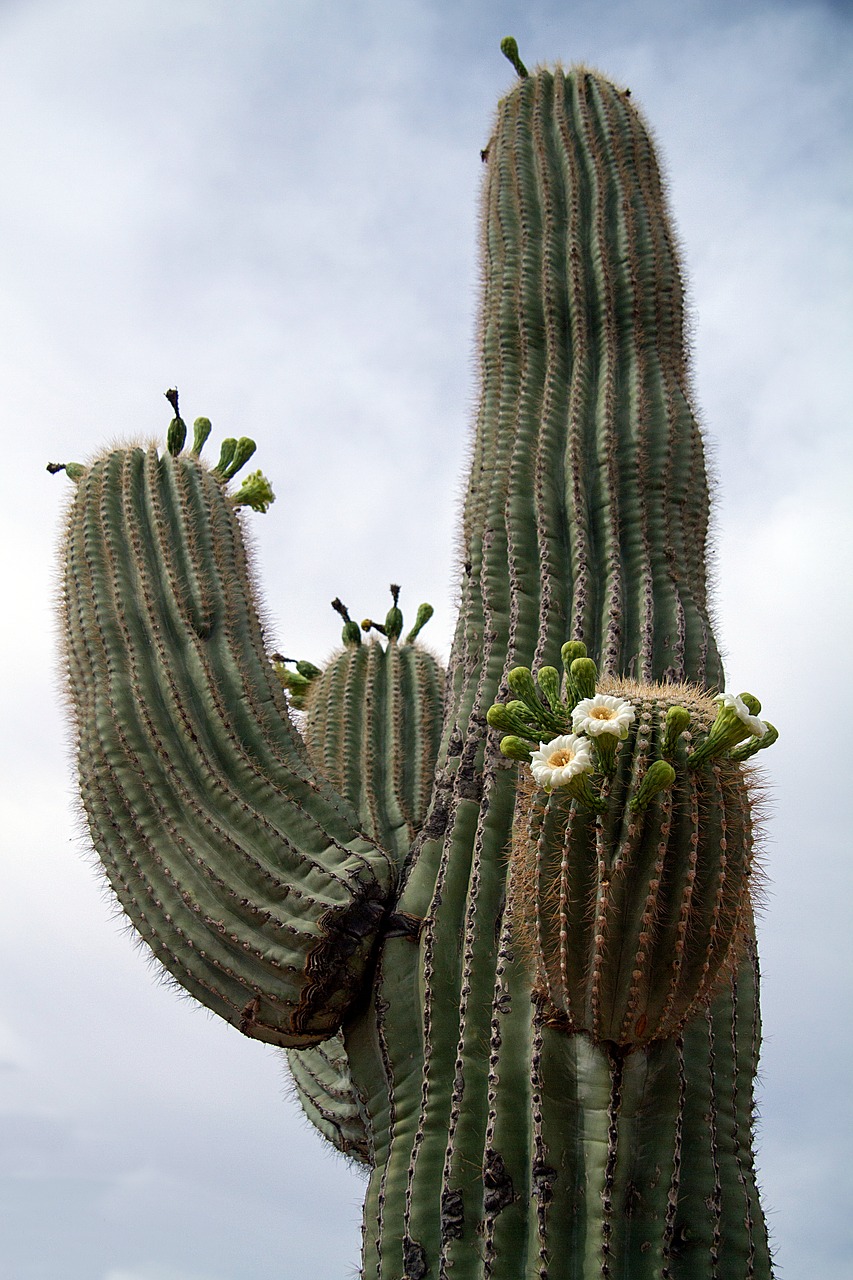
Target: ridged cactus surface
pixel 248 877
pixel 632 915
pixel 532 1012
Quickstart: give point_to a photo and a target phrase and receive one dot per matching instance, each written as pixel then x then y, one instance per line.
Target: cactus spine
pixel 519 1117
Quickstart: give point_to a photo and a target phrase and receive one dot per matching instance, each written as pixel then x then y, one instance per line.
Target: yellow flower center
pixel 601 713
pixel 563 755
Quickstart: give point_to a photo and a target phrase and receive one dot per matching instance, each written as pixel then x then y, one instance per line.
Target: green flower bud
pixel 201 430
pixel 516 748
pixel 509 49
pixel 243 450
pixel 176 436
pixel 572 649
pixel 520 680
pixel 425 612
pixel 549 683
pixel 658 777
pixel 226 453
pixel 505 717
pixel 583 674
pixel 677 720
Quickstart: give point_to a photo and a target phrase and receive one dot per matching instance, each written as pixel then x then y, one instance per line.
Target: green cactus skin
pixel 510 1148
pixel 632 916
pixel 323 1084
pixel 246 875
pixel 373 728
pixel 504 1145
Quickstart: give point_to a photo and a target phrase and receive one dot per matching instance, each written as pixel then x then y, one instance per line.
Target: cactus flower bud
pixel 572 649
pixel 509 49
pixel 549 682
pixel 201 430
pixel 520 680
pixel 425 612
pixel 658 777
pixel 505 716
pixel 677 720
pixel 583 674
pixel 516 748
pixel 255 492
pixel 243 450
pixel 176 436
pixel 226 453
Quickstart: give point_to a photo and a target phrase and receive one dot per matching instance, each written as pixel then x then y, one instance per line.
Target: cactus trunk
pixel 536 1022
pixel 510 1148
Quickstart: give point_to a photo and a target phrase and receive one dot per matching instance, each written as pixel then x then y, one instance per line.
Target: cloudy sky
pixel 273 206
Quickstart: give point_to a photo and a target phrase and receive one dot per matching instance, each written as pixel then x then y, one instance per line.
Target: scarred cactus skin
pixel 519 1119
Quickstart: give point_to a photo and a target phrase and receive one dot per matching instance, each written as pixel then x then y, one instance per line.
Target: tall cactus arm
pixel 245 873
pixel 589 473
pixel 515 1147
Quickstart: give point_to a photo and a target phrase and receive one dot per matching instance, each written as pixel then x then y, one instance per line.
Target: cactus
pixel 530 1008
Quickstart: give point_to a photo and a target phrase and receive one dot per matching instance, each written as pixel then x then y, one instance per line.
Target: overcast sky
pixel 273 206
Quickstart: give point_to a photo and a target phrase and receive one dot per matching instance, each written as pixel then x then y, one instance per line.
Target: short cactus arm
pixel 372 724
pixel 246 874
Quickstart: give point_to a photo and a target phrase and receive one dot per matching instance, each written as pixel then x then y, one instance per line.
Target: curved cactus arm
pixel 247 876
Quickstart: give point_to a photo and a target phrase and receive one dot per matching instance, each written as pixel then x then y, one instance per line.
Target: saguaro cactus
pixel 526 998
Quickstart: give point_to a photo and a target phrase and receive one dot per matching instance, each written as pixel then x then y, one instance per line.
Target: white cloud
pixel 276 211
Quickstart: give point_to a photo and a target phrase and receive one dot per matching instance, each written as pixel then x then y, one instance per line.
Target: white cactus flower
pixel 756 726
pixel 603 714
pixel 558 761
